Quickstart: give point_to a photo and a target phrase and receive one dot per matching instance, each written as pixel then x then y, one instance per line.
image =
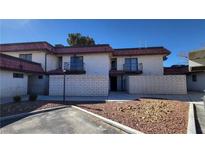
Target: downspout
pixel 47 87
pixel 46 61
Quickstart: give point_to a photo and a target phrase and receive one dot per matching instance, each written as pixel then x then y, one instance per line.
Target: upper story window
pixel 26 57
pixel 60 62
pixel 76 63
pixel 114 64
pixel 131 64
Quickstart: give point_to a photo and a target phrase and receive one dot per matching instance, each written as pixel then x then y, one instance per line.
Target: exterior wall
pixel 196 62
pixel 198 85
pixel 169 84
pixel 12 86
pixel 37 56
pixel 79 85
pixel 95 64
pixel 37 86
pixel 152 64
pixel 52 62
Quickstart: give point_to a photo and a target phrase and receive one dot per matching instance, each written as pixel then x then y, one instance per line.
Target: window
pixel 131 64
pixel 113 64
pixel 17 75
pixel 60 62
pixel 194 78
pixel 76 63
pixel 26 57
pixel 40 77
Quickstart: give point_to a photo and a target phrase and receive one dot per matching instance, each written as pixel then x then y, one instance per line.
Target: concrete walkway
pixel 192 97
pixel 62 121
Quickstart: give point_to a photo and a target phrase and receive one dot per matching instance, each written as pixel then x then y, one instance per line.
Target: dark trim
pixel 26 43
pixel 160 47
pixel 117 73
pixel 19 50
pixel 197 68
pixel 87 46
pixel 19 59
pixel 87 52
pixel 136 54
pixel 67 73
pixel 108 49
pixel 20 70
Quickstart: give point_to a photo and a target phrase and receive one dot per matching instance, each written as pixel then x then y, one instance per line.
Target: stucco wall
pixel 198 85
pixel 52 62
pixel 79 85
pixel 152 65
pixel 10 86
pixel 95 64
pixel 169 84
pixel 37 56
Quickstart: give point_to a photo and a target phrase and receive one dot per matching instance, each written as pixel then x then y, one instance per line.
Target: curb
pixel 30 113
pixel 113 123
pixel 191 128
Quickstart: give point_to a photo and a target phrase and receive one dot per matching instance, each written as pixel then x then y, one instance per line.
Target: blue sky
pixel 175 35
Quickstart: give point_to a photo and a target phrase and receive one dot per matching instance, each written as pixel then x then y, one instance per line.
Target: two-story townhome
pixel 88 70
pixel 196 77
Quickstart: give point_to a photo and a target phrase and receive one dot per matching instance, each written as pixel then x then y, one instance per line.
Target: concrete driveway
pixel 62 121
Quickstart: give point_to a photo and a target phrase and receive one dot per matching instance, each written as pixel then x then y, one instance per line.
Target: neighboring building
pixel 196 77
pixel 89 71
pixel 176 70
pixel 15 75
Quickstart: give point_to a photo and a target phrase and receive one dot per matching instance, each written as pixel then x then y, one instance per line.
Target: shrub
pixel 17 99
pixel 32 97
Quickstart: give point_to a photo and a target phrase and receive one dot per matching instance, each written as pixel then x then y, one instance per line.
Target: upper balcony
pixel 129 69
pixel 74 68
pixel 135 69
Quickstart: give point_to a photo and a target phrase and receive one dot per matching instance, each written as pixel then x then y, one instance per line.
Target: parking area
pixel 62 121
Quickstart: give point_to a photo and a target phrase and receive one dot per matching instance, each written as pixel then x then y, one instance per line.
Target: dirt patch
pixel 146 115
pixel 22 107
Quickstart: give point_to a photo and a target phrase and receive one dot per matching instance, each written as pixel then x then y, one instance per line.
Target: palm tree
pixel 73 38
pixel 76 39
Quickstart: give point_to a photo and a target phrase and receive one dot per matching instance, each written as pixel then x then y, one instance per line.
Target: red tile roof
pixel 20 65
pixel 99 48
pixel 176 71
pixel 141 51
pixel 27 46
pixel 102 48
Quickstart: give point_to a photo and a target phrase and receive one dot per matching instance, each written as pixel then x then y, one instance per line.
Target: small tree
pixel 76 39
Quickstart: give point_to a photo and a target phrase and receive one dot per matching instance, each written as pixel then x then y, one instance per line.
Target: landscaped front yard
pixel 146 115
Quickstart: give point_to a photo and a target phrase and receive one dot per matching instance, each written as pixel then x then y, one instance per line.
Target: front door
pixel 113 83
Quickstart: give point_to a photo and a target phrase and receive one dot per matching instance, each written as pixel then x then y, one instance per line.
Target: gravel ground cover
pixel 154 116
pixel 16 108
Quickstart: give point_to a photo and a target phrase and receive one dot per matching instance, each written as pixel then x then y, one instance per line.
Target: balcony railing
pixel 74 66
pixel 133 68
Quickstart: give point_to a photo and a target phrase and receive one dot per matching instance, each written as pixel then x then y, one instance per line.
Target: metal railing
pixel 74 66
pixel 132 68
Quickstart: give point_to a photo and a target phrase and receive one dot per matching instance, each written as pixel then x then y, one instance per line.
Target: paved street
pixel 200 118
pixel 62 121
